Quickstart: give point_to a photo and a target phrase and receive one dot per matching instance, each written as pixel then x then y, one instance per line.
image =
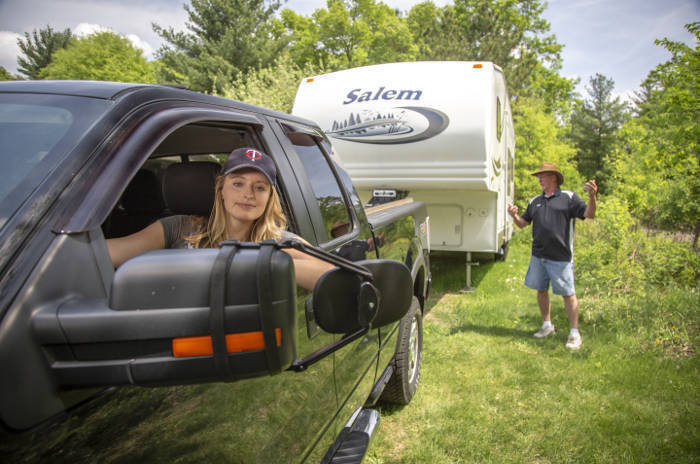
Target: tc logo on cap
pixel 253 155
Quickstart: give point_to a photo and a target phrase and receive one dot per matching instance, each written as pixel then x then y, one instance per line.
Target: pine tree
pixel 594 124
pixel 226 39
pixel 38 49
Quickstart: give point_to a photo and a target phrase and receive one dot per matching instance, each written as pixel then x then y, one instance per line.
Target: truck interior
pixel 179 177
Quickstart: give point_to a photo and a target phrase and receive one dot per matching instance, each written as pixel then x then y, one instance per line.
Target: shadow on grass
pixel 449 272
pixel 387 409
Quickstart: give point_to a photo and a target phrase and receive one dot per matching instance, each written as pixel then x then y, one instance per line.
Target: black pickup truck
pixel 190 355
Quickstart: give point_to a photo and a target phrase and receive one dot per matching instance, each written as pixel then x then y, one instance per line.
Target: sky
pixel 611 37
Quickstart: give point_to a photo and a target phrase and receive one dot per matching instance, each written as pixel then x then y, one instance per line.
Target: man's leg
pixel 545 310
pixel 574 341
pixel 543 302
pixel 537 279
pixel 571 306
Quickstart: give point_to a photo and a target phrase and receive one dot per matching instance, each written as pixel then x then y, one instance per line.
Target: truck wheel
pixel 407 360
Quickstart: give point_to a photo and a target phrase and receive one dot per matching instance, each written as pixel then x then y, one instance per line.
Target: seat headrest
pixel 188 188
pixel 143 194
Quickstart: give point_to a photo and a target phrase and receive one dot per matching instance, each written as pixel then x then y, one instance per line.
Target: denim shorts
pixel 543 271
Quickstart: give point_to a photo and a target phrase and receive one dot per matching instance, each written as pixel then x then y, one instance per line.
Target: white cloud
pixel 9 50
pixel 85 29
pixel 138 42
pixel 129 18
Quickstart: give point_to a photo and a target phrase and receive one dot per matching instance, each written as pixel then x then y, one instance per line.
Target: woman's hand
pixel 307 269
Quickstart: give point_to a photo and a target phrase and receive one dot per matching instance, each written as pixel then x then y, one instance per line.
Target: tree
pixel 226 39
pixel 104 56
pixel 39 48
pixel 7 76
pixel 594 124
pixel 661 147
pixel 273 87
pixel 348 34
pixel 538 138
pixel 511 33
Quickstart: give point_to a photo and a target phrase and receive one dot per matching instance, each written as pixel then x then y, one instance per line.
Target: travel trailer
pixel 438 132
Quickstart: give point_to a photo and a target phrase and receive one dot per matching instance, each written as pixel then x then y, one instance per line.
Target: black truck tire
pixel 407 360
pixel 502 254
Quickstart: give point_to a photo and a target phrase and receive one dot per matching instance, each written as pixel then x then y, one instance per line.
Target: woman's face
pixel 245 195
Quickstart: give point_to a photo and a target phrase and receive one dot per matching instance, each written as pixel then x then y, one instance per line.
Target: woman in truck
pixel 246 208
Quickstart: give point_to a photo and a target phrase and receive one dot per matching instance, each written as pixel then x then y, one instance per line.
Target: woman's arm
pixel 308 269
pixel 124 248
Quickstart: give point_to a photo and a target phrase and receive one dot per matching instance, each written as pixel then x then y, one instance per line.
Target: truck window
pixel 334 210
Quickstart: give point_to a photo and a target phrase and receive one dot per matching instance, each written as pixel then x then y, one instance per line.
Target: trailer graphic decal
pixel 404 124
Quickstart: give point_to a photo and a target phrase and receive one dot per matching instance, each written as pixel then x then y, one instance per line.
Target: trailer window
pixel 511 174
pixel 499 123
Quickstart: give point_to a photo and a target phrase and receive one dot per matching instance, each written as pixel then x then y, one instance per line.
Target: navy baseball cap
pixel 242 158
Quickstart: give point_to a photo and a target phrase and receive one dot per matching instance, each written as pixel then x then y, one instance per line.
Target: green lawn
pixel 490 392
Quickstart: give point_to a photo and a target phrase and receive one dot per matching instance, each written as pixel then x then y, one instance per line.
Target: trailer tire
pixel 502 253
pixel 408 358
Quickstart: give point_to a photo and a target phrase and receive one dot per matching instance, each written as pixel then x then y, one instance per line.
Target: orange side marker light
pixel 235 343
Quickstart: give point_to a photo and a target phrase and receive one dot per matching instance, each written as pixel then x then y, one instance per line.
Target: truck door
pixel 278 418
pixel 336 229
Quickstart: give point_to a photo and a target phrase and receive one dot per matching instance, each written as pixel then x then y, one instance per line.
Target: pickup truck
pixel 191 355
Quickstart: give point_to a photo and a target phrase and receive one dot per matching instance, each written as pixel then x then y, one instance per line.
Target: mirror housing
pixel 159 327
pixel 343 303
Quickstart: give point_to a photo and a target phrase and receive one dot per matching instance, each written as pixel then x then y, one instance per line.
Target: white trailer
pixel 441 132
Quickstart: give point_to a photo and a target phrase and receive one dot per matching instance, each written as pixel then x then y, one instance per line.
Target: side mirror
pixel 343 303
pixel 160 325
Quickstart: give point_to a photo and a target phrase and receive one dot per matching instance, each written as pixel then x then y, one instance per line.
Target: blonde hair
pixel 269 226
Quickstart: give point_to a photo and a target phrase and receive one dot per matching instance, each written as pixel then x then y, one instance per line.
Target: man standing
pixel 552 215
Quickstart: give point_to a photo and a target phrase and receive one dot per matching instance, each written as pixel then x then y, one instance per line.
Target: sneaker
pixel 544 332
pixel 574 342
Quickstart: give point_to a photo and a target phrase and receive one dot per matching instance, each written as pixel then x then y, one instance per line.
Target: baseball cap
pixel 242 158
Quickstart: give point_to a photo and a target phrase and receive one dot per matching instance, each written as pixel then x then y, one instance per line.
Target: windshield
pixel 36 133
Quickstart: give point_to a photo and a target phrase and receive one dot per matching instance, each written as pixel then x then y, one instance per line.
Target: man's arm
pixel 519 221
pixel 592 189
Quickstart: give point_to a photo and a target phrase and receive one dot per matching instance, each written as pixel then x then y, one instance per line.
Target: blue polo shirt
pixel 553 221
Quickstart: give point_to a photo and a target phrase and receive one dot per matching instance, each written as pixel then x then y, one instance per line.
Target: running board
pixel 380 385
pixel 353 441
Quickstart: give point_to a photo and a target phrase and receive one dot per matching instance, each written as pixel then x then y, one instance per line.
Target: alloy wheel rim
pixel 413 348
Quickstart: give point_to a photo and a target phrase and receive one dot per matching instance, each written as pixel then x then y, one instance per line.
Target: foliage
pixel 554 91
pixel 483 370
pixel 349 33
pixel 594 125
pixel 272 87
pixel 539 138
pixel 638 282
pixel 657 162
pixel 7 76
pixel 226 39
pixel 104 56
pixel 507 32
pixel 38 49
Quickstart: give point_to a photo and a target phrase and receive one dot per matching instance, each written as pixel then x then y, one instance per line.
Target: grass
pixel 490 392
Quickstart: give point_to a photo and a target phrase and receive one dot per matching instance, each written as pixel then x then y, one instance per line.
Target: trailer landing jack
pixel 468 288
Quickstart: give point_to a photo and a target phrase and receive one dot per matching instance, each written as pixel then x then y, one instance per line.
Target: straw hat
pixel 552 168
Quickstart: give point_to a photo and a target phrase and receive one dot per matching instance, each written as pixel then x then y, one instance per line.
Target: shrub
pixel 637 282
